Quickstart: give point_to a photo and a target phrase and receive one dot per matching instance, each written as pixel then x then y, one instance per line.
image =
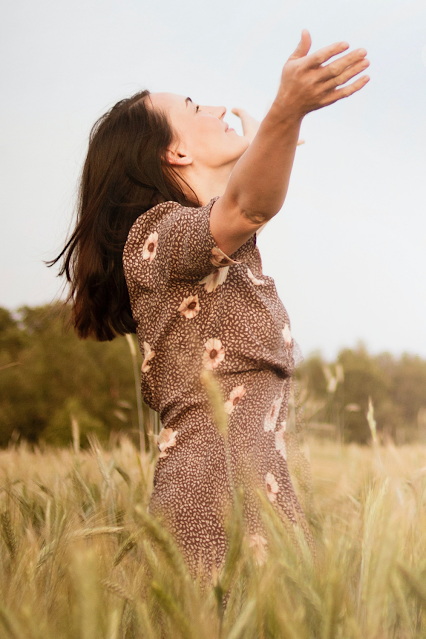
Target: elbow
pixel 258 215
pixel 262 206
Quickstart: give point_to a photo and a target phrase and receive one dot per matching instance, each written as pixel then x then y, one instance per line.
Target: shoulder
pixel 164 216
pixel 144 232
pixel 148 220
pixel 164 234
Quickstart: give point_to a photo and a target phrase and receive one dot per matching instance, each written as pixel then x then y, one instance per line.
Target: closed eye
pixel 197 108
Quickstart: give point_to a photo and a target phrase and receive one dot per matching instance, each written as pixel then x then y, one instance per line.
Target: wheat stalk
pixel 9 534
pixel 75 434
pixel 116 589
pixel 92 532
pixel 128 545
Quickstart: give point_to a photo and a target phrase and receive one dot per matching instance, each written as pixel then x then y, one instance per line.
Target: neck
pixel 208 182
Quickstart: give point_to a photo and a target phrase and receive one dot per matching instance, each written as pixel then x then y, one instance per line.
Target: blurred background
pixel 348 249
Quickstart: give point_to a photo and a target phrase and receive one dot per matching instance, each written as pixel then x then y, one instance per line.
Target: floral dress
pixel 196 308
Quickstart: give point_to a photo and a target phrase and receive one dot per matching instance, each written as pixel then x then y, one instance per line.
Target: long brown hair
pixel 124 175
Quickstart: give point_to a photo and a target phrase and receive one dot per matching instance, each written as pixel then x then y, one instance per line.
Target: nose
pixel 222 111
pixel 218 111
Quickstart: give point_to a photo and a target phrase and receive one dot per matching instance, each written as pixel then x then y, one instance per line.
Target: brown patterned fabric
pixel 197 308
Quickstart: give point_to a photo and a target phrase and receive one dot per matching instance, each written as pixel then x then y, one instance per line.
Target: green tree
pixel 396 386
pixel 363 378
pixel 54 367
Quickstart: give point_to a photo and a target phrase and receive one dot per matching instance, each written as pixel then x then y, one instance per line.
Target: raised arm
pixel 258 184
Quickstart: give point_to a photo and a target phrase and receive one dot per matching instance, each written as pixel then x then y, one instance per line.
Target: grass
pixel 81 558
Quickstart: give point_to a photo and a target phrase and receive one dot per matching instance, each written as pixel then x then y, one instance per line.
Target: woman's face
pixel 202 134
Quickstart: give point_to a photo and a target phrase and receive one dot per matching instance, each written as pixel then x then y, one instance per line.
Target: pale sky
pixel 348 249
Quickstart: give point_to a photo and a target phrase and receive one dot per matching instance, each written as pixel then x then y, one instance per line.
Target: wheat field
pixel 81 558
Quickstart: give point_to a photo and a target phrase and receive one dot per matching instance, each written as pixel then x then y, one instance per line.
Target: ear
pixel 178 158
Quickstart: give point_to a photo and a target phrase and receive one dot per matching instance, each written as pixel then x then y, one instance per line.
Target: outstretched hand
pixel 307 83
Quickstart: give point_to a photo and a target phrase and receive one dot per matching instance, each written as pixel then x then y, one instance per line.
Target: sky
pixel 348 249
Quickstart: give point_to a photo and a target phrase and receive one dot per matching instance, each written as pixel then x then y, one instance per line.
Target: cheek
pixel 211 131
pixel 244 143
pixel 215 143
pixel 209 144
pixel 207 141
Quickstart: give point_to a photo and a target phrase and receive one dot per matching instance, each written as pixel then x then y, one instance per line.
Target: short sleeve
pixel 186 247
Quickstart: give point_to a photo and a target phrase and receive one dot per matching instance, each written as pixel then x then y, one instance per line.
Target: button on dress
pixel 195 309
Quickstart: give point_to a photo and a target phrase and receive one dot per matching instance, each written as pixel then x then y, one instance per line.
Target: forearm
pixel 259 182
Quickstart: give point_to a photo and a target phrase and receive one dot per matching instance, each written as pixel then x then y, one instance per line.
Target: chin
pixel 244 144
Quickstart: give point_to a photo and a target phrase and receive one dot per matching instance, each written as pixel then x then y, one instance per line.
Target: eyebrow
pixel 187 100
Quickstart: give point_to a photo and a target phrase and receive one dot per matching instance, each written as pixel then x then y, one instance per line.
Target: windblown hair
pixel 124 175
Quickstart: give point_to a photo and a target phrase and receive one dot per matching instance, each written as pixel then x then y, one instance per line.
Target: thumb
pixel 304 45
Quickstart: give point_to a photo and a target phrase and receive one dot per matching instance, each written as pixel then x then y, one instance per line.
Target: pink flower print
pixel 280 441
pixel 235 396
pixel 150 247
pixel 148 354
pixel 287 335
pixel 219 258
pixel 190 307
pixel 272 416
pixel 259 545
pixel 215 279
pixel 166 439
pixel 254 279
pixel 214 353
pixel 272 487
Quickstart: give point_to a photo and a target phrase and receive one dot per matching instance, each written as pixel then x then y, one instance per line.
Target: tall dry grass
pixel 81 558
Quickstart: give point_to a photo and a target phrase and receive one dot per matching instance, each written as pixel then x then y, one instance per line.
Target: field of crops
pixel 80 557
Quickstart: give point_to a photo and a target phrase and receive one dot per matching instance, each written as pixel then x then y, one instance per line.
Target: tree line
pixel 48 378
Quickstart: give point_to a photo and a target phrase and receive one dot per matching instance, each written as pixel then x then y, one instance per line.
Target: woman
pixel 176 197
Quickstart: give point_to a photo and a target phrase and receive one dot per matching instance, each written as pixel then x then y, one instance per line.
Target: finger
pixel 345 92
pixel 303 47
pixel 322 55
pixel 347 75
pixel 239 112
pixel 337 67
